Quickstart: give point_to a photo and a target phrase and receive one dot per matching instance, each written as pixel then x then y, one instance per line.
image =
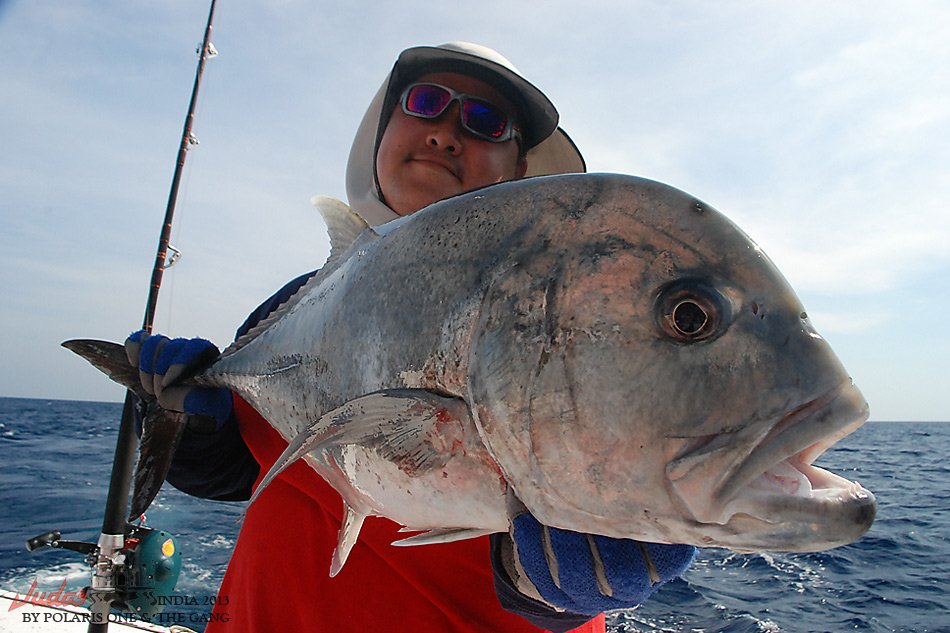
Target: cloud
pixel 828 145
pixel 820 128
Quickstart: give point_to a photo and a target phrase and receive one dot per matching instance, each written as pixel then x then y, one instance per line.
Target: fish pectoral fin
pixel 413 428
pixel 307 440
pixel 440 535
pixel 349 534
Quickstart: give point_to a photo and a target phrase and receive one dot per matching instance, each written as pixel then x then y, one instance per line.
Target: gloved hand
pixel 162 361
pixel 587 574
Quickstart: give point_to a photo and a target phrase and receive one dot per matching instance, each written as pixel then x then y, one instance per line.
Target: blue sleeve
pixel 261 312
pixel 218 464
pixel 535 612
pixel 214 464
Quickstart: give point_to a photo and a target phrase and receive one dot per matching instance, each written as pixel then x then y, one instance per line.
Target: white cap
pixel 551 149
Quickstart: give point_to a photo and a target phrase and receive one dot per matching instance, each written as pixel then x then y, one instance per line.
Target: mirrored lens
pixel 484 118
pixel 427 100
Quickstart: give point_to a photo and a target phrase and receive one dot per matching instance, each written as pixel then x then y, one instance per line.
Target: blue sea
pixel 55 459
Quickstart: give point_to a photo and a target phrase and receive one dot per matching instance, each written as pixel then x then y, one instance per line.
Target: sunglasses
pixel 481 118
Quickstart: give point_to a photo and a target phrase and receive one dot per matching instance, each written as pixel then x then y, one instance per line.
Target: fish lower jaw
pixel 794 487
pixel 791 507
pixel 790 488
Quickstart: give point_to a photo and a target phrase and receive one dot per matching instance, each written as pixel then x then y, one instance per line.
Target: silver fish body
pixel 625 359
pixel 612 351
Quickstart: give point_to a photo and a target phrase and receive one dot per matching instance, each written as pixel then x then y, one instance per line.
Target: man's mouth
pixel 436 162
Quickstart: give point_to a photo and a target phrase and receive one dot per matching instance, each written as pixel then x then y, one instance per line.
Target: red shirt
pixel 278 578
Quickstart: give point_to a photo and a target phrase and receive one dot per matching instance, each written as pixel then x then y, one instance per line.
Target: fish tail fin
pixel 161 429
pixel 110 359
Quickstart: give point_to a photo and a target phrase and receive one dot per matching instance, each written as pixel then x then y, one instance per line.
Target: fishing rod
pixel 114 521
pixel 114 574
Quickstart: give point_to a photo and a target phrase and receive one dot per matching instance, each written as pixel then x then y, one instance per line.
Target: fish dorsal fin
pixel 343 225
pixel 274 316
pixel 349 534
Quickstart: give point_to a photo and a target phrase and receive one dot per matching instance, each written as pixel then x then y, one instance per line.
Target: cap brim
pixel 557 154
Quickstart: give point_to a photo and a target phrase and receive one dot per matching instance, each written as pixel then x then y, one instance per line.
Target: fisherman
pixel 447 120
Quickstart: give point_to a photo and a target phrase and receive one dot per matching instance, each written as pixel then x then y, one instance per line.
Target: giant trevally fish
pixel 610 351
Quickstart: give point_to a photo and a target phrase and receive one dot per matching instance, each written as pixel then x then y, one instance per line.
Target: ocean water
pixel 55 459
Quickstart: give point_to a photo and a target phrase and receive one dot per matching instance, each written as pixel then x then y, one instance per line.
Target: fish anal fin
pixel 440 535
pixel 349 534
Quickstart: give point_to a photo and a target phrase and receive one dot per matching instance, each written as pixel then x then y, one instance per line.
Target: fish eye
pixel 688 318
pixel 689 311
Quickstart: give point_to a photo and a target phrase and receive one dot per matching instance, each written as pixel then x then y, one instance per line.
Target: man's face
pixel 421 161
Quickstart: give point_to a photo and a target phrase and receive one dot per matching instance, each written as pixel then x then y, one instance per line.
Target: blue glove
pixel 588 574
pixel 162 361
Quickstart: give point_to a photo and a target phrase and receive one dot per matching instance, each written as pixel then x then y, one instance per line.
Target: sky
pixel 821 128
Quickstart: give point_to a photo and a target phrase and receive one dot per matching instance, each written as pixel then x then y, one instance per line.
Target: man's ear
pixel 521 168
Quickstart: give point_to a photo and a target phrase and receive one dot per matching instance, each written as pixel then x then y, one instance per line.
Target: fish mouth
pixel 777 482
pixel 779 476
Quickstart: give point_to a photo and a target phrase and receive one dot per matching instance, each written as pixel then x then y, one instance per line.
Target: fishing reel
pixel 139 579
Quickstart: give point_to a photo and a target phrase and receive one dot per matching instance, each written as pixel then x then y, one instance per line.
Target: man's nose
pixel 446 132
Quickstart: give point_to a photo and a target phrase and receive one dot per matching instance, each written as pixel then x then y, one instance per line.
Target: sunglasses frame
pixel 510 131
